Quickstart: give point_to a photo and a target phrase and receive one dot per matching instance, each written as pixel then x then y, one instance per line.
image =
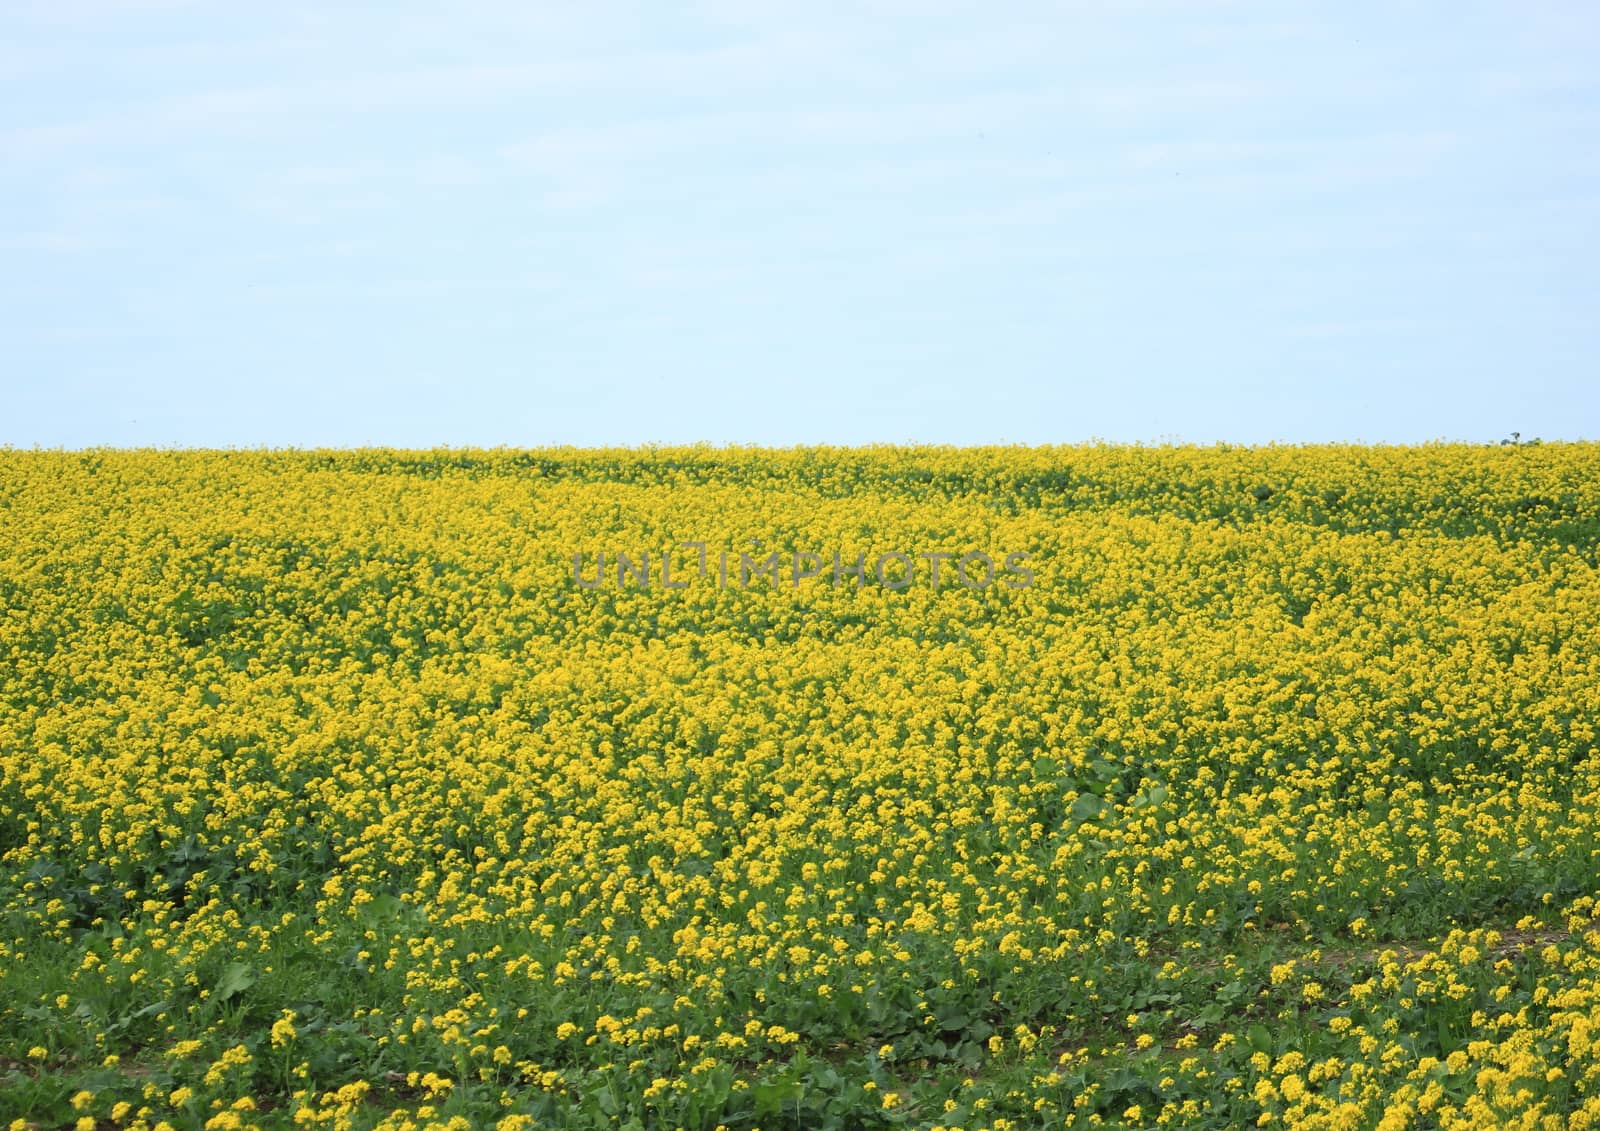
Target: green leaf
pixel 770 1098
pixel 236 978
pixel 1087 808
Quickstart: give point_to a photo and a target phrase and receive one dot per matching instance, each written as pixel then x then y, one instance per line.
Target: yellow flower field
pixel 350 789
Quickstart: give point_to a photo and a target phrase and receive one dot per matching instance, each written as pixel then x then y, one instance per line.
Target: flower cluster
pixel 328 800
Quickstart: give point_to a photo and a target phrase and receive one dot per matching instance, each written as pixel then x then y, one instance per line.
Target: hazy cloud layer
pixel 539 223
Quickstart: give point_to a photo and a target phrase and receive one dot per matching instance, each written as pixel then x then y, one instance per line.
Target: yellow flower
pixel 283 1030
pixel 1252 694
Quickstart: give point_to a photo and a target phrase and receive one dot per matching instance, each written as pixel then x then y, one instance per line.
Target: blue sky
pixel 536 223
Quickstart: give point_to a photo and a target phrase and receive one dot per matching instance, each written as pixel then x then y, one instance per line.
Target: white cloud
pixel 53 242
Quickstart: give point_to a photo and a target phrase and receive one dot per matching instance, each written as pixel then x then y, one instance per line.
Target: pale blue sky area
pixel 541 223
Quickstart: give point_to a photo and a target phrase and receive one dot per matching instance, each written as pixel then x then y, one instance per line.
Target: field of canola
pixel 328 799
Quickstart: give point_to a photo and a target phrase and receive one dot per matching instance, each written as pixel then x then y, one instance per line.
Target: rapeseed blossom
pixel 325 791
